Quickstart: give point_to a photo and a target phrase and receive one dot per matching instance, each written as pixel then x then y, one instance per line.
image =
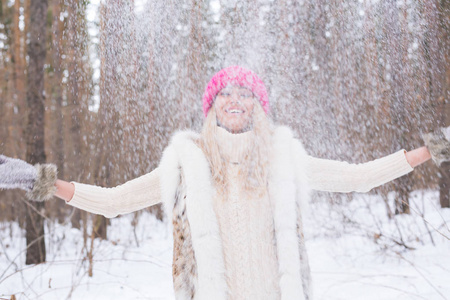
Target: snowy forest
pixel 98 87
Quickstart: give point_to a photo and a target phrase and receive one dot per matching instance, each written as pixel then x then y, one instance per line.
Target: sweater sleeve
pixel 133 195
pixel 336 176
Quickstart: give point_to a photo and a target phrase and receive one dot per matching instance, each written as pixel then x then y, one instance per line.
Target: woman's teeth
pixel 235 111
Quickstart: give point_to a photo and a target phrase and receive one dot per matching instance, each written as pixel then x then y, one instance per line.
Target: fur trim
pixel 303 187
pixel 184 267
pixel 44 186
pixel 303 196
pixel 288 193
pixel 183 155
pixel 283 190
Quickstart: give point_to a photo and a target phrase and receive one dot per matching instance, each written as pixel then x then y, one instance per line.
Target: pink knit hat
pixel 238 76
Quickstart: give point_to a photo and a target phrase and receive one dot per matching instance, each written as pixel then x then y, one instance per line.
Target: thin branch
pixel 423 276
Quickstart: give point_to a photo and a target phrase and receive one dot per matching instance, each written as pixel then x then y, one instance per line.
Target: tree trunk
pixel 18 95
pixel 444 170
pixel 444 22
pixel 58 90
pixel 56 128
pixel 35 129
pixel 399 103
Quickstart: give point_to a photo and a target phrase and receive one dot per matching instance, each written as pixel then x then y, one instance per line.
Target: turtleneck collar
pixel 233 146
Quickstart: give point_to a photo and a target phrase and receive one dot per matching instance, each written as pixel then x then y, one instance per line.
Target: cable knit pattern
pixel 246 229
pixel 340 176
pixel 133 195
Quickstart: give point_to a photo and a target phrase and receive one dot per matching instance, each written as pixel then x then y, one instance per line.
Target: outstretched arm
pixel 41 184
pixel 133 195
pixel 339 176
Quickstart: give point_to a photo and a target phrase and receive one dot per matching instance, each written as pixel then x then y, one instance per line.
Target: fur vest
pixel 187 193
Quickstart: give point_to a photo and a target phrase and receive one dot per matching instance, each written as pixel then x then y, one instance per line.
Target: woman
pixel 234 194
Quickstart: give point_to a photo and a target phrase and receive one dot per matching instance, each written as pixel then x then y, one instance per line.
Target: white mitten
pixel 38 181
pixel 438 143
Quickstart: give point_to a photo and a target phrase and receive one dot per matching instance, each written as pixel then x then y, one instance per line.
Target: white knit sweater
pixel 246 229
pixel 245 222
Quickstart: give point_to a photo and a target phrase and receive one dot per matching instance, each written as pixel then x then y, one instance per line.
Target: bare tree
pixel 18 79
pixel 35 129
pixel 444 99
pixel 57 52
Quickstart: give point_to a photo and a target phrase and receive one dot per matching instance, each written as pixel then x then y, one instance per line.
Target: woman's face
pixel 234 108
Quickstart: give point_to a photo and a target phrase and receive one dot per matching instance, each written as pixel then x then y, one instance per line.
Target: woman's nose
pixel 234 99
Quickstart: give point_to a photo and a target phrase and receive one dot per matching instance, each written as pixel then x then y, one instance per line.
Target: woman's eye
pixel 224 94
pixel 246 95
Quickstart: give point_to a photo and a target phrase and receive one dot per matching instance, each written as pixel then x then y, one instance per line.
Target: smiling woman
pixel 234 108
pixel 234 194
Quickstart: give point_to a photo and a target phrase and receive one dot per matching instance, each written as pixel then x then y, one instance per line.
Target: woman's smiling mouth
pixel 234 111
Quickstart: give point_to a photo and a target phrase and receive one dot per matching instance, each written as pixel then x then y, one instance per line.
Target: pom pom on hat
pixel 239 76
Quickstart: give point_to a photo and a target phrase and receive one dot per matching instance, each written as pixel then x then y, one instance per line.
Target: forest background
pixel 100 96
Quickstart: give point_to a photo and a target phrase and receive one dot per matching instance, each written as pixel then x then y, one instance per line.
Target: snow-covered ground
pixel 353 250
